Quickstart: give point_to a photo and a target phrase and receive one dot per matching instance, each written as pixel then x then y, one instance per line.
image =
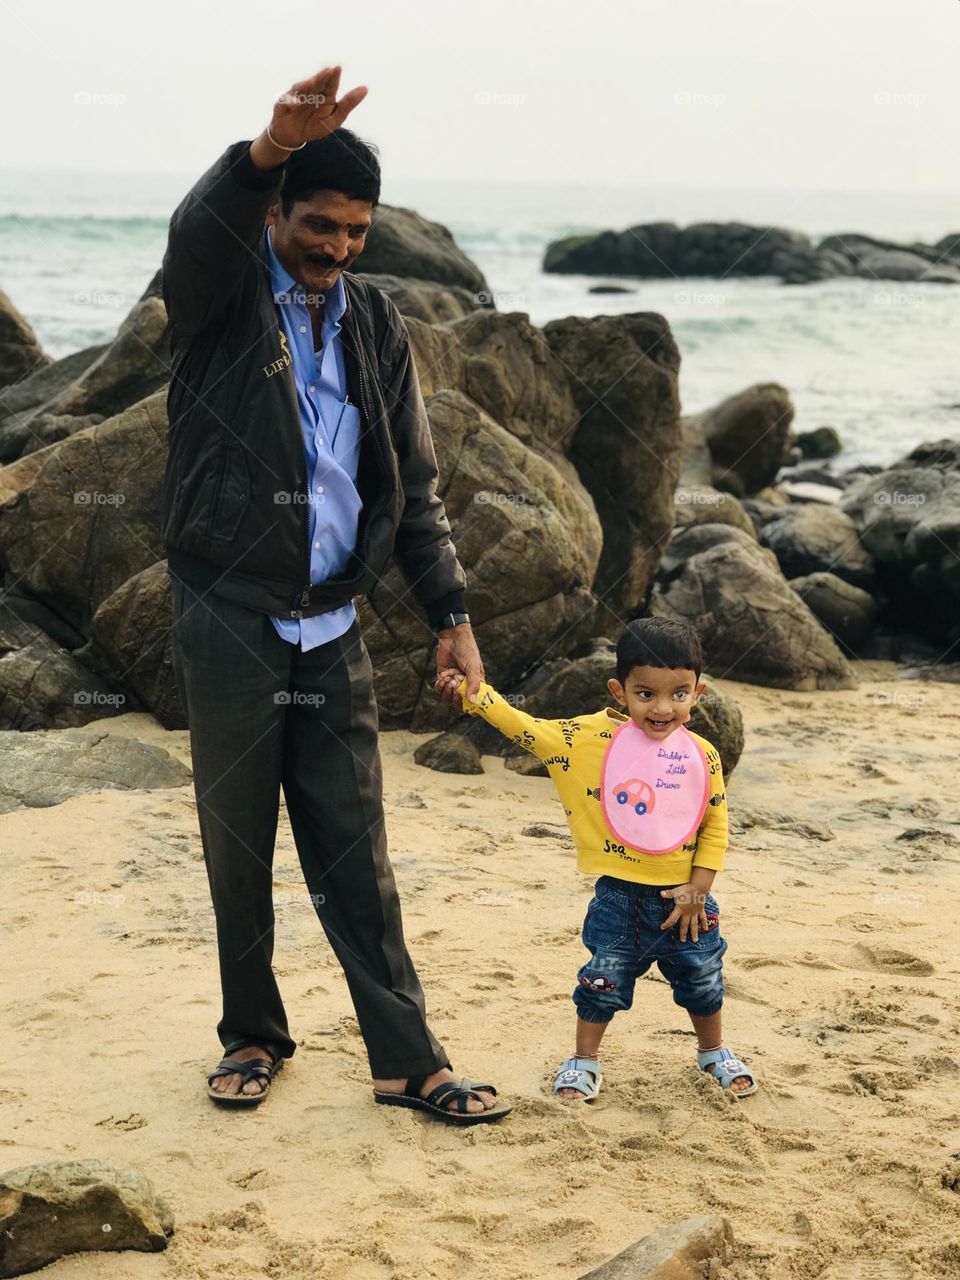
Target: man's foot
pixel 232 1084
pixel 444 1076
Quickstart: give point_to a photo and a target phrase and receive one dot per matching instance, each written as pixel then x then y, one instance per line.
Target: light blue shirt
pixel 331 441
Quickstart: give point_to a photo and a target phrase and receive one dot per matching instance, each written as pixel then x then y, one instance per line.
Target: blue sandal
pixel 582 1074
pixel 729 1067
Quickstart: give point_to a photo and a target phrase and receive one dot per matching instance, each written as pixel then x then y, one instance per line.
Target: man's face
pixel 320 237
pixel 658 699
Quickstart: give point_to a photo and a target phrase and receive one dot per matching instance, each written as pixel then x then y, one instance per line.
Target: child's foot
pixel 578 1080
pixel 734 1076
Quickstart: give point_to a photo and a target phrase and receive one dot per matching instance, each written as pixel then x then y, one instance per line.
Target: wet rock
pixel 748 435
pixel 847 612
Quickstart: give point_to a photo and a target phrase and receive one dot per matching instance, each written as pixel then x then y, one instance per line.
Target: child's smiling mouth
pixel 659 725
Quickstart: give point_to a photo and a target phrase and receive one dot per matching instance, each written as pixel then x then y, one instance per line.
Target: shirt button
pixel 319 488
pixel 303 328
pixel 317 546
pixel 311 389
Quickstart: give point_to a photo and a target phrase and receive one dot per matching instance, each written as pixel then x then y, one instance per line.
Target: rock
pixel 846 611
pixel 431 303
pixel 695 1249
pixel 717 718
pixel 15 604
pixel 20 351
pixel 808 491
pixel 50 1210
pixel 702 504
pixel 748 435
pixel 696 462
pixel 47 767
pixel 815 538
pixel 36 395
pixel 451 752
pixel 135 365
pixel 131 640
pixel 86 516
pixel 528 535
pixel 753 626
pixel 663 250
pixel 503 364
pixel 908 518
pixel 609 288
pixel 884 260
pixel 627 444
pixel 822 442
pixel 44 687
pixel 402 243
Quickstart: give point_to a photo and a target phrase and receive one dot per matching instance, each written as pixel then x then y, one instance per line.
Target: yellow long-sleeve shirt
pixel 573 752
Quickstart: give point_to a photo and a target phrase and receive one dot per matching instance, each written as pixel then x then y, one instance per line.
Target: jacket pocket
pixel 231 496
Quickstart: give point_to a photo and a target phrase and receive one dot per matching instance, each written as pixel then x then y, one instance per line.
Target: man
pixel 300 459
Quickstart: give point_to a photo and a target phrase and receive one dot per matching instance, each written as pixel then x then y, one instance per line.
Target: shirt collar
pixel 285 287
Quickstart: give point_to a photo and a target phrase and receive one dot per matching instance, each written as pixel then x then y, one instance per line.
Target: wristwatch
pixel 450 620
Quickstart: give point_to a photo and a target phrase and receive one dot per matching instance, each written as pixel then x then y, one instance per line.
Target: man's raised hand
pixel 309 109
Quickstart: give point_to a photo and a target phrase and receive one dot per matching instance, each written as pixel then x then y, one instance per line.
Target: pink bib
pixel 654 792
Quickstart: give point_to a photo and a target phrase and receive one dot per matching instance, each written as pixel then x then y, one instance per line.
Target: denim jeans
pixel 623 932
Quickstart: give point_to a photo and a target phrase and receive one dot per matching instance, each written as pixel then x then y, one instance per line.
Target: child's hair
pixel 658 642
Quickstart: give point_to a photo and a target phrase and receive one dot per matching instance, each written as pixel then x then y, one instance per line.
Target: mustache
pixel 327 263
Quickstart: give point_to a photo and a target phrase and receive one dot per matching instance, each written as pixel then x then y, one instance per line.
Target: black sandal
pixel 260 1069
pixel 437 1099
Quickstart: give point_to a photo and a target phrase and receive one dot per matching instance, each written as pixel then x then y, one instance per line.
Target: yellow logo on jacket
pixel 284 361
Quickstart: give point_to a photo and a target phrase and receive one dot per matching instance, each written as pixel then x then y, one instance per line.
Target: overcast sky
pixel 834 94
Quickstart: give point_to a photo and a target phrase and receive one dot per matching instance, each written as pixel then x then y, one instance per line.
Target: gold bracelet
pixel 280 146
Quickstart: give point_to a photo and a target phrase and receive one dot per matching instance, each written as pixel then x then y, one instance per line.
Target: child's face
pixel 658 699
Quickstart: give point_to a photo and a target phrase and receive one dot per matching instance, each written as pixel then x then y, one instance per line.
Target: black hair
pixel 659 642
pixel 339 162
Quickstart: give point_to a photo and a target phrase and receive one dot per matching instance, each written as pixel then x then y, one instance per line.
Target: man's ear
pixel 273 213
pixel 616 688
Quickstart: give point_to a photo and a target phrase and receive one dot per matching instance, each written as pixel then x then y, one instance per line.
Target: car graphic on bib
pixel 638 794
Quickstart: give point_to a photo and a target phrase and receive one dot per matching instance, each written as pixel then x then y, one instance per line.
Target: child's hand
pixel 449 678
pixel 688 908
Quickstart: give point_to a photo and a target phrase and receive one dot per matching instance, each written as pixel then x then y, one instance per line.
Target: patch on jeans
pixel 712 921
pixel 600 983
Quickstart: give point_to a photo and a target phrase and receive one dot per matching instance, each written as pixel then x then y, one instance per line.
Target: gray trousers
pixel 264 715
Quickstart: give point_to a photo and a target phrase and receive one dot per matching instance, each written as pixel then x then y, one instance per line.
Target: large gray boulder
pixel 45 768
pixel 847 612
pixel 35 396
pixel 625 443
pixel 528 534
pixel 702 504
pixel 131 640
pixel 815 538
pixel 754 627
pixel 50 1210
pixel 424 300
pixel 908 518
pixel 43 686
pixel 748 436
pixel 77 520
pixel 20 351
pixel 403 243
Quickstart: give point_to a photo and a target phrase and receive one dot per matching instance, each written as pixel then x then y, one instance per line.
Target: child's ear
pixel 698 692
pixel 616 688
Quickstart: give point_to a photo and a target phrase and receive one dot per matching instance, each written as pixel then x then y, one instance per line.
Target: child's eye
pixel 681 695
pixel 645 695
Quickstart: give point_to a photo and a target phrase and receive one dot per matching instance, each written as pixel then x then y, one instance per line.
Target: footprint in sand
pixel 890 960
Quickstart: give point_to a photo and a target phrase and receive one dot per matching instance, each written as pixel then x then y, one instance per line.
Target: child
pixel 645 803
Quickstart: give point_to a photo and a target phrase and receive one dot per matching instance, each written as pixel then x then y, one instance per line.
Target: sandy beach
pixel 839 902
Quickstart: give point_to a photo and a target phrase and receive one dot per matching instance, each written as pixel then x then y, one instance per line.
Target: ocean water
pixel 875 359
